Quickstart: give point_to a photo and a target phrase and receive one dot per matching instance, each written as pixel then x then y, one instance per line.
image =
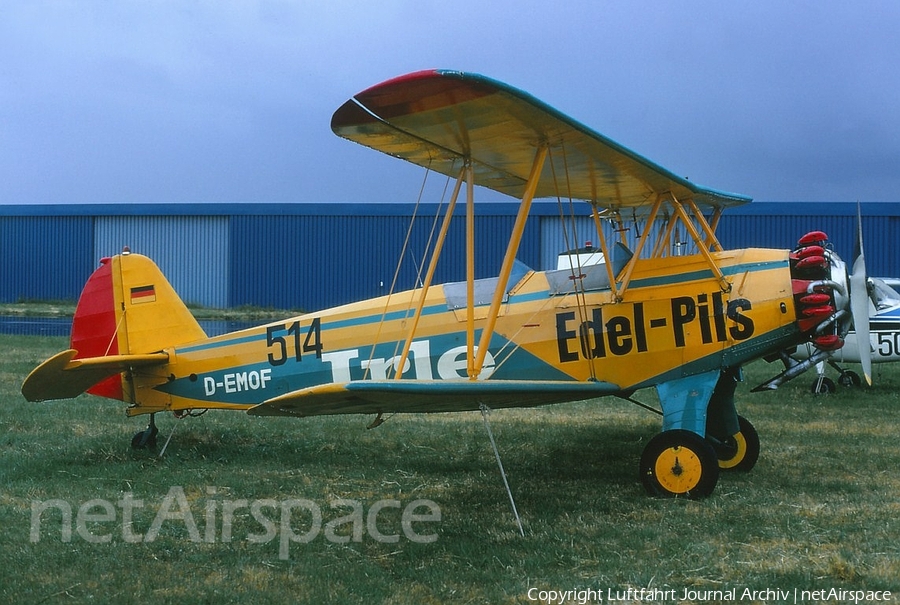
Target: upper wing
pixel 63 377
pixel 436 118
pixel 395 396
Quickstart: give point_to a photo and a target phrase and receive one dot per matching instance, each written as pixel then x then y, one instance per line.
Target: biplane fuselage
pixel 674 321
pixel 645 318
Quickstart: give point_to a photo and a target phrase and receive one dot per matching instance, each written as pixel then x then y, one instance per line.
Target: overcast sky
pixel 214 101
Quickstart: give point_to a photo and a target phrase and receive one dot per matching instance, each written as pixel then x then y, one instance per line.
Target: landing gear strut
pixel 147 437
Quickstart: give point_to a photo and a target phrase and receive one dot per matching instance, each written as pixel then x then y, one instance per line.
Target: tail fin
pixel 127 311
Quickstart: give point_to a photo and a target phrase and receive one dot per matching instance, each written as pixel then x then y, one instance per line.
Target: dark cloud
pixel 220 102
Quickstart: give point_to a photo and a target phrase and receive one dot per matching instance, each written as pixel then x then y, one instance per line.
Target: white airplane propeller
pixel 859 303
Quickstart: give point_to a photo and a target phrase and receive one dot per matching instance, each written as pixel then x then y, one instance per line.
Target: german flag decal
pixel 143 294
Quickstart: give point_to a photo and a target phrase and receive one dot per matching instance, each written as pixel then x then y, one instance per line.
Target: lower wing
pixel 394 396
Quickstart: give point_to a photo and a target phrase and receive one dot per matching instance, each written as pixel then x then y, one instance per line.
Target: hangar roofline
pixel 501 208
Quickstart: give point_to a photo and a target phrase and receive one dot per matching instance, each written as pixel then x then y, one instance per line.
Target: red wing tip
pixel 410 77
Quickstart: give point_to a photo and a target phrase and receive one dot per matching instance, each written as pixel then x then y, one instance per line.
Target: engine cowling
pixel 821 292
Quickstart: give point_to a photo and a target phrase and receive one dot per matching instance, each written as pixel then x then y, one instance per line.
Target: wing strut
pixel 663 241
pixel 640 245
pixel 508 259
pixel 695 235
pixel 605 249
pixel 429 274
pixel 710 240
pixel 714 223
pixel 470 271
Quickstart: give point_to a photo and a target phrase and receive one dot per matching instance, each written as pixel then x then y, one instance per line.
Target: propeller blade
pixel 859 302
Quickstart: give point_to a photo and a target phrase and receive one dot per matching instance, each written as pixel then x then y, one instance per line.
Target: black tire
pixel 679 464
pixel 145 438
pixel 823 386
pixel 849 378
pixel 739 453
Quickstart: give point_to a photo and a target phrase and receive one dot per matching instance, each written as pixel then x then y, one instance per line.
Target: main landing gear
pixel 823 385
pixel 849 378
pixel 147 437
pixel 738 452
pixel 681 464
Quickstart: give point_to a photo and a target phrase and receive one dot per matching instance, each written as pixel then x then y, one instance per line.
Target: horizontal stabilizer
pixel 415 396
pixel 64 377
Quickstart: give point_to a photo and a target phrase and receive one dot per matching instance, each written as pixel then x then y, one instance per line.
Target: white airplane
pixel 884 338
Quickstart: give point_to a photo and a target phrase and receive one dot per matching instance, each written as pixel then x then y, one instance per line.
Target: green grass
pixel 820 510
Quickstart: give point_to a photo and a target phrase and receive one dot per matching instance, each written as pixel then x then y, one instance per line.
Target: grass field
pixel 820 511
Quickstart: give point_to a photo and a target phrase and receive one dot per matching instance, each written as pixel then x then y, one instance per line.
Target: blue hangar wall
pixel 312 256
pixel 287 256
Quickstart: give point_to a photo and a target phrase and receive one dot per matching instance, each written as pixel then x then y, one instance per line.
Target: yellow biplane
pixel 637 316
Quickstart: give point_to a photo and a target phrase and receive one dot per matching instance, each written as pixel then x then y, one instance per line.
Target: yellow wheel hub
pixel 678 469
pixel 741 444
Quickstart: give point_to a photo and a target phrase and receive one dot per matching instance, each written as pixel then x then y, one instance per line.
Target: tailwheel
pixel 679 463
pixel 739 452
pixel 147 437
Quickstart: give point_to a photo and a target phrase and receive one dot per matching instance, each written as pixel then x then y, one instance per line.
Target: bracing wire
pixel 403 249
pixel 484 415
pixel 420 267
pixel 580 299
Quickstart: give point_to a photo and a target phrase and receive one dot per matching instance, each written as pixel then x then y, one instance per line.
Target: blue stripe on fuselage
pixel 663 280
pixel 237 338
